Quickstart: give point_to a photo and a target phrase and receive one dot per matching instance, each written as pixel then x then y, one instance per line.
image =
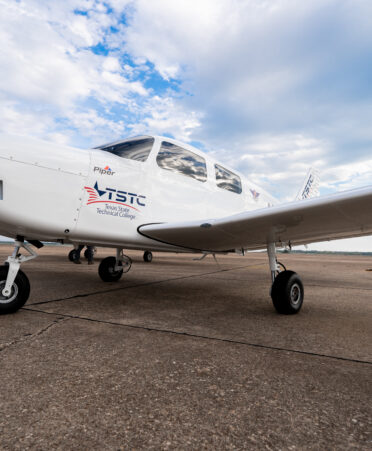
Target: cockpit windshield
pixel 133 149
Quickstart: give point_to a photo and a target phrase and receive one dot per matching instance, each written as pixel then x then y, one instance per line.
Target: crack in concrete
pixel 204 337
pixel 38 333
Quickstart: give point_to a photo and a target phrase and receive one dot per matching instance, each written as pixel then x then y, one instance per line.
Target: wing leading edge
pixel 342 215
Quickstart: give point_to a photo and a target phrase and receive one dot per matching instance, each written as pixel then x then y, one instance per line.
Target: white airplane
pixel 156 194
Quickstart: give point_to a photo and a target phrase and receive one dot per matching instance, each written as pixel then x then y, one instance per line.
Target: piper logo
pixel 104 171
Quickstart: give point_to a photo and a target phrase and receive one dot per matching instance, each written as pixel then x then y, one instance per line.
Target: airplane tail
pixel 310 187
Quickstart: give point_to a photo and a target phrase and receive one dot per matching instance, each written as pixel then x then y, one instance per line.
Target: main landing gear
pixel 147 256
pixel 111 269
pixel 14 284
pixel 287 290
pixel 74 255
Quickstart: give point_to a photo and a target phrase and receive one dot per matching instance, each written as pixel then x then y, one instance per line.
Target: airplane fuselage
pixel 52 192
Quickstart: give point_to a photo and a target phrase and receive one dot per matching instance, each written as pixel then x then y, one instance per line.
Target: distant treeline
pixel 44 242
pixel 324 252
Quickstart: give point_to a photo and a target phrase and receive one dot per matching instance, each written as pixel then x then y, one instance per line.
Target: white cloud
pixel 164 114
pixel 15 120
pixel 272 84
pixel 362 244
pixel 277 163
pixel 47 68
pixel 270 88
pixel 348 176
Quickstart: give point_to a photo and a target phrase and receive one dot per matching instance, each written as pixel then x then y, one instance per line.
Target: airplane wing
pixel 342 215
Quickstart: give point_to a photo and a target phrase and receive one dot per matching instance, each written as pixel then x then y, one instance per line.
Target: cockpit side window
pixel 228 180
pixel 174 158
pixel 135 149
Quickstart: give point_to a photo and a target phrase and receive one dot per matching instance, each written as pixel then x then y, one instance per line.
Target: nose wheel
pixel 14 284
pixel 18 293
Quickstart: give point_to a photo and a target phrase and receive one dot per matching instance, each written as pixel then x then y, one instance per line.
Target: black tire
pixel 71 255
pixel 74 256
pixel 287 293
pixel 147 257
pixel 87 252
pixel 107 271
pixel 20 291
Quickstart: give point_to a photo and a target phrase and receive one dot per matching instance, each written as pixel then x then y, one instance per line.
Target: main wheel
pixel 74 256
pixel 287 293
pixel 71 255
pixel 147 257
pixel 86 253
pixel 19 293
pixel 107 270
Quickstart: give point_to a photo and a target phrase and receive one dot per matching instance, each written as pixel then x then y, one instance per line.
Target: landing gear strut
pixel 14 284
pixel 87 253
pixel 111 269
pixel 287 290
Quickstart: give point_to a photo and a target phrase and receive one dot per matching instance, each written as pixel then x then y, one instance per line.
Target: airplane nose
pixel 41 185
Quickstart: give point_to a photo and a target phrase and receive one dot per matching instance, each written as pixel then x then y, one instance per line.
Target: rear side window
pixel 228 180
pixel 176 159
pixel 136 149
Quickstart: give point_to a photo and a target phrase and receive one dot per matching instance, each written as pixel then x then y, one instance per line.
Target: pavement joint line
pixel 27 337
pixel 204 337
pixel 83 295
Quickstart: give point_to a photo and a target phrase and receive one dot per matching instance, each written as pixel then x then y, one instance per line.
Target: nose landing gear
pixel 14 284
pixel 18 294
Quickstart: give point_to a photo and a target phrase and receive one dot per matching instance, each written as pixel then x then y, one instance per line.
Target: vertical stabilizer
pixel 310 187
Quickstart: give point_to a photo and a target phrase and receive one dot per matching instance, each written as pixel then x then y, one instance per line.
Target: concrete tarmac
pixel 182 354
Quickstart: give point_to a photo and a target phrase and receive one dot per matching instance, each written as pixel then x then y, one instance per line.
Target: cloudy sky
pixel 271 87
